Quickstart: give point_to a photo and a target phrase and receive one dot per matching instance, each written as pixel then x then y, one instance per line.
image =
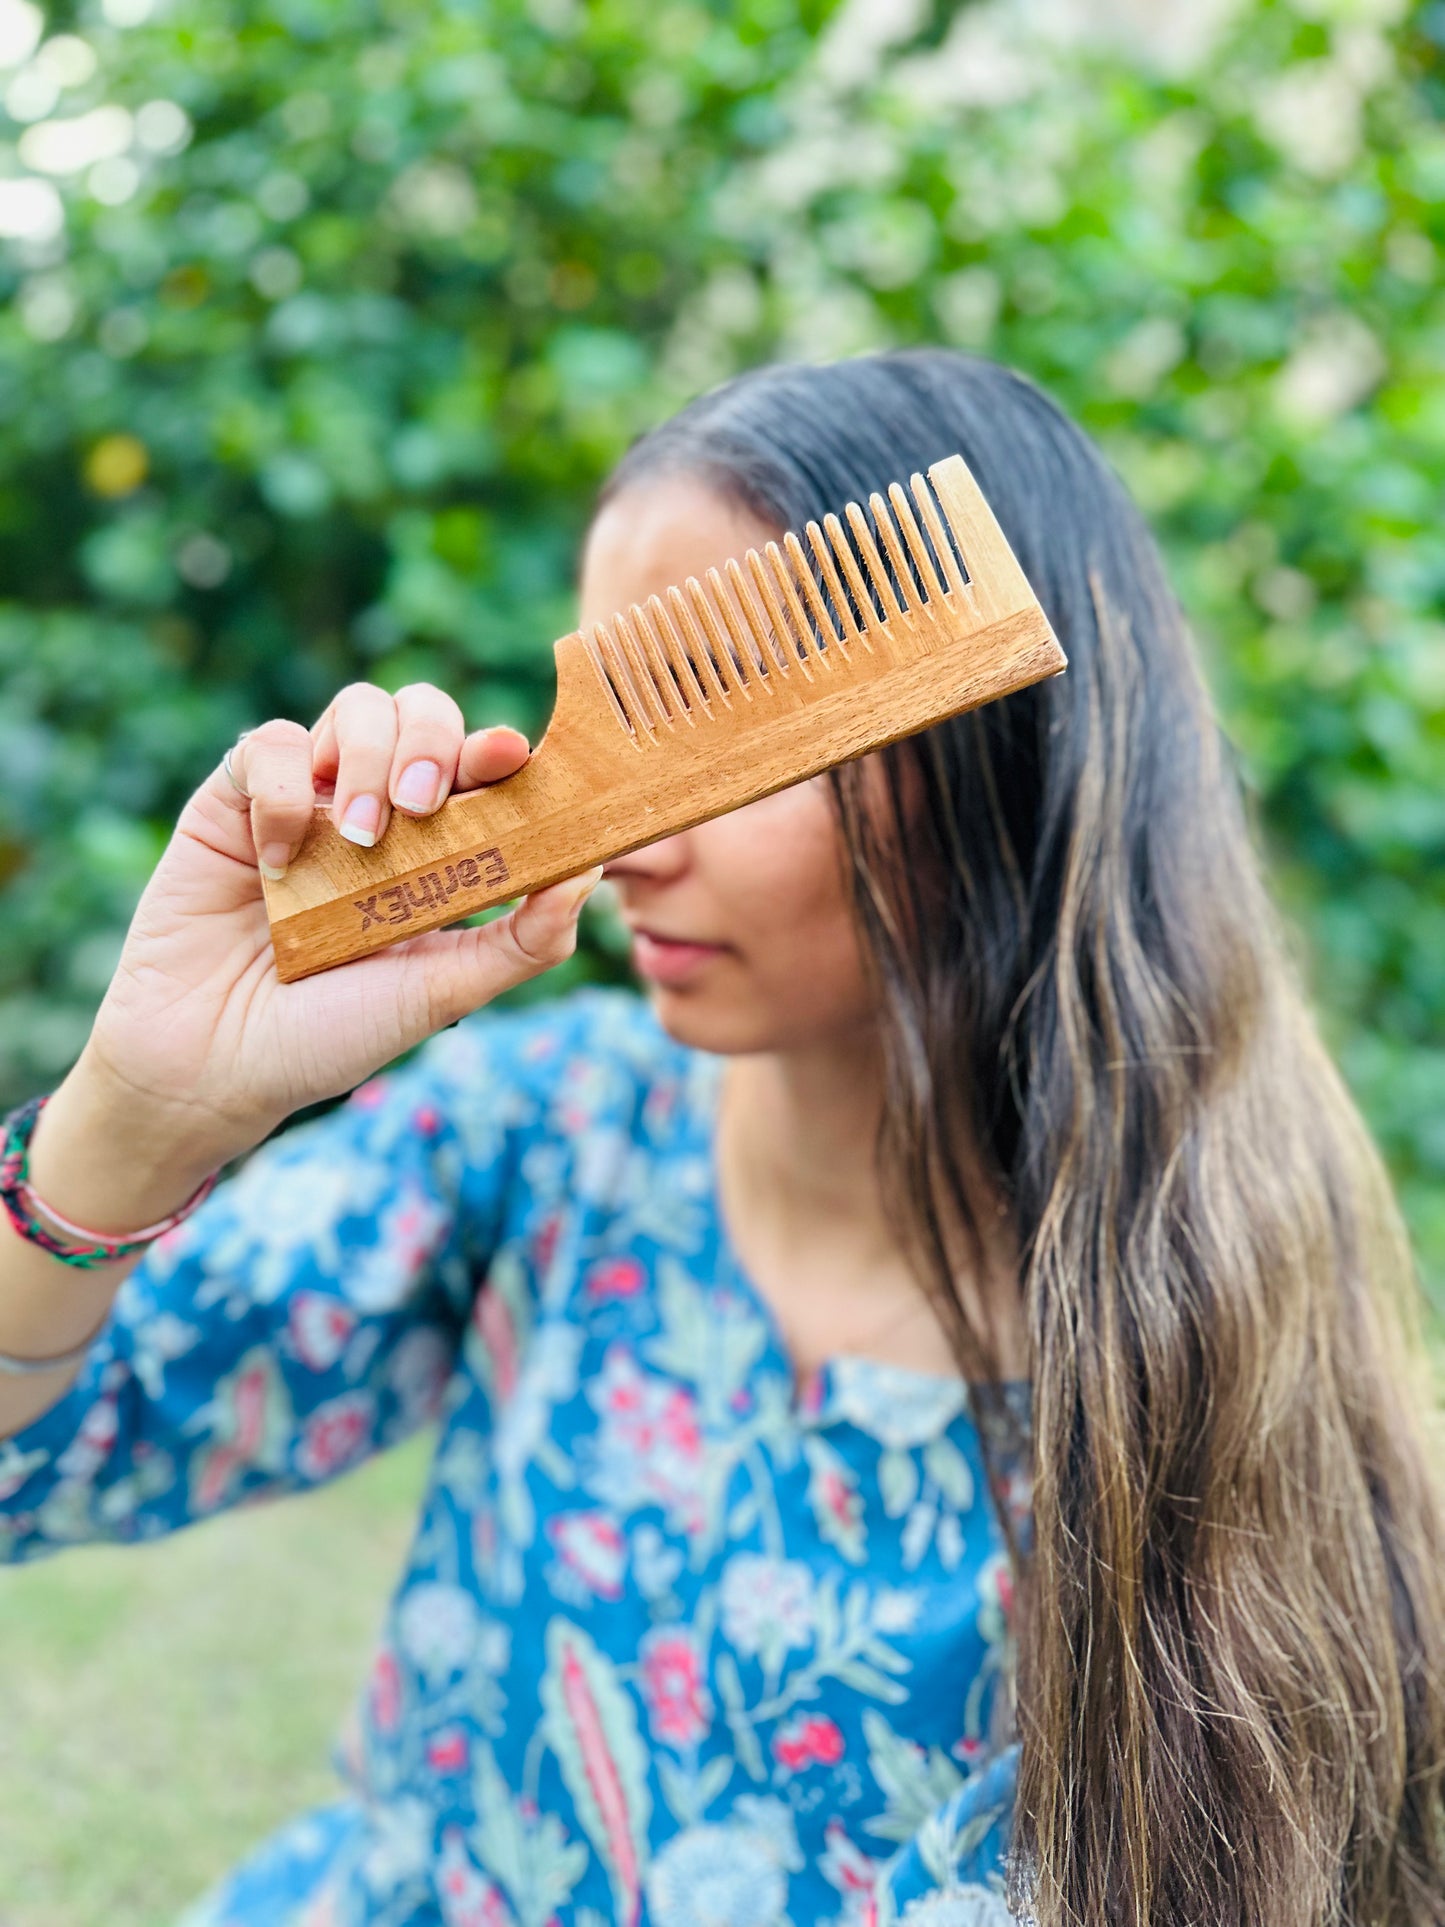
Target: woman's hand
pixel 196 1028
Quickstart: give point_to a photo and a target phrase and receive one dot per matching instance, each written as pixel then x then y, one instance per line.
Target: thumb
pixel 468 968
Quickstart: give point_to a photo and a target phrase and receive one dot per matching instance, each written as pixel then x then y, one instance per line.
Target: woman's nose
pixel 661 859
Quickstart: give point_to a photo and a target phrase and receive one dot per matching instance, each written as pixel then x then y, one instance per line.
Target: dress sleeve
pixel 952 1872
pixel 308 1314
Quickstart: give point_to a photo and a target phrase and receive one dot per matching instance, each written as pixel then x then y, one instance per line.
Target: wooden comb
pixel 778 667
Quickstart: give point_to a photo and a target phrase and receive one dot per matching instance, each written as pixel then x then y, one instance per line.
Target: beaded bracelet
pixel 20 1201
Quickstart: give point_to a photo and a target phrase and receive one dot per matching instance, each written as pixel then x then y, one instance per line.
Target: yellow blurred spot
pixel 573 284
pixel 185 287
pixel 117 465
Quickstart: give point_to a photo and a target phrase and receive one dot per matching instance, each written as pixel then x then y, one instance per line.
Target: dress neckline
pixel 919 1405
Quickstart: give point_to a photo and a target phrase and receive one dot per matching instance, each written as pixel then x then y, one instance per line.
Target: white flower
pixel 1335 364
pixel 494 1648
pixel 717 1877
pixel 893 1404
pixel 896 1610
pixel 549 1375
pixel 655 1564
pixel 1312 111
pixel 771 1821
pixel 93 1442
pixel 65 1513
pixel 400 1846
pixel 950 1541
pixel 765 1602
pixel 160 1338
pixel 410 1228
pixel 437 1628
pixel 288 1204
pixel 602 1157
pixel 16 1467
pixel 967 1906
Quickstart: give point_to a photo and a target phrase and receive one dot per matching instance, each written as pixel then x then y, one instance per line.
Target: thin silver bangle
pixel 26 1367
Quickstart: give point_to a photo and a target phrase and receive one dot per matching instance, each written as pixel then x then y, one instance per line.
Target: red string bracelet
pixel 21 1202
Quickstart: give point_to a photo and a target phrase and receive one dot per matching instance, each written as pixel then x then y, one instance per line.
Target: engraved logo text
pixel 401 902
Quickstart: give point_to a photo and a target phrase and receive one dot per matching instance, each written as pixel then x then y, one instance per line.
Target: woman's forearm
pixel 107 1164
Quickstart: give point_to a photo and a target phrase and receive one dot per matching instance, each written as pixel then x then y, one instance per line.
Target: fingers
pixel 489 755
pixel 406 753
pixel 369 754
pixel 429 741
pixel 273 764
pixel 365 723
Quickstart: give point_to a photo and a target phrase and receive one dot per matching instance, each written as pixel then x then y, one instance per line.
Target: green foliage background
pixel 322 389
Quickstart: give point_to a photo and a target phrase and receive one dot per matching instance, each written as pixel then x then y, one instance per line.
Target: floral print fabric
pixel 678 1640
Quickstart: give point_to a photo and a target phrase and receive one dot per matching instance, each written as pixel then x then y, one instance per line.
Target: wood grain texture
pixel 782 664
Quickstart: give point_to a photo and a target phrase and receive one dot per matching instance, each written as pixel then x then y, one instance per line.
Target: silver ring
pixel 226 764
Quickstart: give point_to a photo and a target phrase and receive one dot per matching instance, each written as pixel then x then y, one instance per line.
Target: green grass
pixel 164 1707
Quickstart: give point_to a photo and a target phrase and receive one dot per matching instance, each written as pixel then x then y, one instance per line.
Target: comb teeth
pixel 780 617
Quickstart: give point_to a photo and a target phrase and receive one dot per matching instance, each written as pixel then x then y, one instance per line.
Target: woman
pixel 973 1111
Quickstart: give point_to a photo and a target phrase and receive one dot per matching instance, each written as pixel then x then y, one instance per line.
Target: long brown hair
pixel 1230 1637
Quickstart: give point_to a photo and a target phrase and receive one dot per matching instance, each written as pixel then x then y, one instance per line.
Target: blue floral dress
pixel 677 1641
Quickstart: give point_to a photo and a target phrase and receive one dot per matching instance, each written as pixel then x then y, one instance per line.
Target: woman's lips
pixel 667 962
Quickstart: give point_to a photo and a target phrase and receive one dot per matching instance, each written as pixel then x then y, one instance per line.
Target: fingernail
pixel 586 884
pixel 360 821
pixel 417 785
pixel 273 860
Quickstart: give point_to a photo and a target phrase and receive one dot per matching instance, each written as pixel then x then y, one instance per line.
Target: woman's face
pixel 764 887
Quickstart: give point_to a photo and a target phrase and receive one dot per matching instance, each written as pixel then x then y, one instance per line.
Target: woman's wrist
pixel 113 1167
pixel 111 1163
